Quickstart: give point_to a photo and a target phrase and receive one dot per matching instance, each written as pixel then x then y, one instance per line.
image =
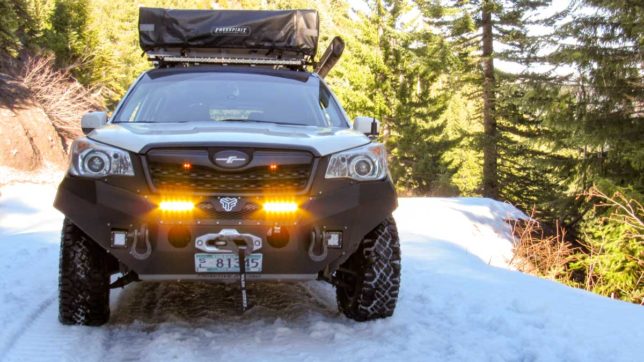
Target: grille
pixel 291 178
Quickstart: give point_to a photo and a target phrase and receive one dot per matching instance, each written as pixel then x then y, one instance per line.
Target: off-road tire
pixel 367 283
pixel 84 279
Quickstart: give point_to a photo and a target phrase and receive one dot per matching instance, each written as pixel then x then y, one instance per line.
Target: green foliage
pixel 462 120
pixel 72 39
pixel 608 127
pixel 518 129
pixel 534 172
pixel 414 90
pixel 557 134
pixel 68 36
pixel 17 27
pixel 614 238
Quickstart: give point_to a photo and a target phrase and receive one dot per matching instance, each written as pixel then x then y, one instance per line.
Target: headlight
pixel 364 163
pixel 92 159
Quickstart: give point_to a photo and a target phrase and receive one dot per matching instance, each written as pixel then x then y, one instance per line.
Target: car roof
pixel 282 73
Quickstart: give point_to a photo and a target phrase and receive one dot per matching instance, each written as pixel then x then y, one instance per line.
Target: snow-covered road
pixel 457 303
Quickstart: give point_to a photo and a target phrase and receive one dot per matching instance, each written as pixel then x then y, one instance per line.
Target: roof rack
pixel 183 57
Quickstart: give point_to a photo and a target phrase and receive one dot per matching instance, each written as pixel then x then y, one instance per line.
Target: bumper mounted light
pixel 176 206
pixel 280 207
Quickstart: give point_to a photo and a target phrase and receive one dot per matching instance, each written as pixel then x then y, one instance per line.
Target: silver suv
pixel 228 174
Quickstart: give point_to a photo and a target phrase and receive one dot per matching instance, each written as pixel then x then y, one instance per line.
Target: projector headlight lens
pixel 366 163
pixel 97 162
pixel 362 166
pixel 93 159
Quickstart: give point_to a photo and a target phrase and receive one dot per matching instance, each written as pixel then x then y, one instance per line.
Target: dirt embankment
pixel 28 140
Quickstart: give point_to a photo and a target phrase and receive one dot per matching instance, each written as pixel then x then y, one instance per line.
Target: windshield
pixel 231 97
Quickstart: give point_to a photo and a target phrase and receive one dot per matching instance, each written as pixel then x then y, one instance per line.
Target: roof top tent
pixel 277 38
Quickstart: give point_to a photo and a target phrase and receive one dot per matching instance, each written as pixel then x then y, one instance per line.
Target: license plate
pixel 226 263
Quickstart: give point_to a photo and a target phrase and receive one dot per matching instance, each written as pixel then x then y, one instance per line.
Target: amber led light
pixel 280 206
pixel 176 206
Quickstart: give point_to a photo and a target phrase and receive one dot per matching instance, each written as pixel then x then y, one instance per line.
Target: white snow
pixel 458 302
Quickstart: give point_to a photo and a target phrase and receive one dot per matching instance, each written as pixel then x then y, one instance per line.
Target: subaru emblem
pixel 231 159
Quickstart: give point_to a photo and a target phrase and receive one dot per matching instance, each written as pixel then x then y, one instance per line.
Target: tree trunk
pixel 490 177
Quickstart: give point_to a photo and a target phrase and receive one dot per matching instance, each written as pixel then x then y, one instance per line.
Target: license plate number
pixel 226 263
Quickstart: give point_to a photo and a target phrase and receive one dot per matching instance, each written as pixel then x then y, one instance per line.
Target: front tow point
pixel 241 245
pixel 242 277
pixel 231 241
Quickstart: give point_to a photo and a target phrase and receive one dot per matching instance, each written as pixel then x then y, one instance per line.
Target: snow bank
pixel 454 305
pixel 477 225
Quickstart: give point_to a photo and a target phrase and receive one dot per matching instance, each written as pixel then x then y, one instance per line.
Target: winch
pixel 231 241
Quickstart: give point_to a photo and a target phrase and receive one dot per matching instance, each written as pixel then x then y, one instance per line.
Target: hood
pixel 140 137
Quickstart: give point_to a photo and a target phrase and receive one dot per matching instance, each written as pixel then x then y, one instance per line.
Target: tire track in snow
pixel 25 325
pixel 124 328
pixel 45 339
pixel 196 314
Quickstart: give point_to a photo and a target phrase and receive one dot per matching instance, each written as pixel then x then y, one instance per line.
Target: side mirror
pixel 93 120
pixel 366 125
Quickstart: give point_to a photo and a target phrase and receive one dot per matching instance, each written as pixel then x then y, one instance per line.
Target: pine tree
pixel 414 94
pixel 490 139
pixel 603 42
pixel 475 28
pixel 70 30
pixel 17 28
pixel 534 169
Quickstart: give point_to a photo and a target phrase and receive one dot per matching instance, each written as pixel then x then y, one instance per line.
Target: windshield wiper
pixel 260 121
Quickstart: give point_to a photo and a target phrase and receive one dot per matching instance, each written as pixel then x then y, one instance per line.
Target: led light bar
pixel 176 206
pixel 228 60
pixel 276 206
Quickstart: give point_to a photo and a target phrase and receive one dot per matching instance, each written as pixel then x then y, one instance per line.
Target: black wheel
pixel 367 283
pixel 84 279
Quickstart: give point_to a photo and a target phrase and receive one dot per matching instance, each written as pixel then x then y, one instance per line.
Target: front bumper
pixel 99 207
